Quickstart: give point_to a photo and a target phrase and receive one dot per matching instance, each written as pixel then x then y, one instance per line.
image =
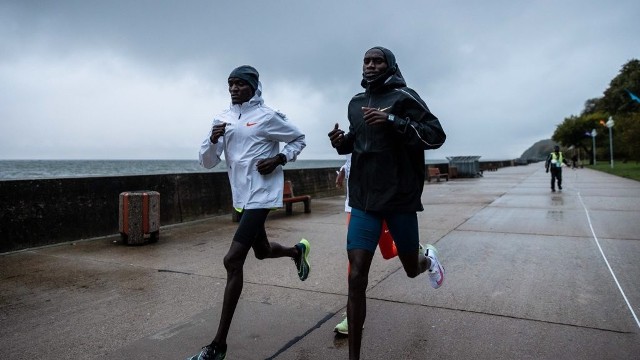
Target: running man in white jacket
pixel 249 133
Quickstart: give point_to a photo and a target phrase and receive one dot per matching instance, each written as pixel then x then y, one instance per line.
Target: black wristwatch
pixel 283 158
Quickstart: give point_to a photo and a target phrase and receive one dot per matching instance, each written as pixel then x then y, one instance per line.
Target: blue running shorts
pixel 365 226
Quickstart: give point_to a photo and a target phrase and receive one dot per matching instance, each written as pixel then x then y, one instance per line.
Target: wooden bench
pixel 289 198
pixel 434 172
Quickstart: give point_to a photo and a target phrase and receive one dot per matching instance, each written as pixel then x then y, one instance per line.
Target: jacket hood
pixel 391 78
pixel 257 97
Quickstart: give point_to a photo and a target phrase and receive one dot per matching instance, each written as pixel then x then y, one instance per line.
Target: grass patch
pixel 630 170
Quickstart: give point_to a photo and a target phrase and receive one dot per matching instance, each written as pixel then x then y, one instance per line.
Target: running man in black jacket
pixel 389 129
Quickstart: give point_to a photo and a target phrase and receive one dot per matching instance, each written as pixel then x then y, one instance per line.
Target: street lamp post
pixel 593 139
pixel 610 126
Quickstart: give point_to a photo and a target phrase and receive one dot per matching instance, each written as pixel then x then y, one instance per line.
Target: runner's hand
pixel 340 178
pixel 336 136
pixel 266 166
pixel 216 132
pixel 374 116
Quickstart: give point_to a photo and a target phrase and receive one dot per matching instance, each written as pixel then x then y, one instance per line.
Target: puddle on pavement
pixel 340 341
pixel 557 200
pixel 555 215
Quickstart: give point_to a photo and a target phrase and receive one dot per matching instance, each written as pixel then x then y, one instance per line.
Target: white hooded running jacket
pixel 254 131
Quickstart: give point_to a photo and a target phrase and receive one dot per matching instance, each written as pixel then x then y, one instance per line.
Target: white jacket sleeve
pixel 210 153
pixel 280 129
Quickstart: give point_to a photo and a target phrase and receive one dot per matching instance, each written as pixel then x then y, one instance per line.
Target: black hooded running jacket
pixel 387 162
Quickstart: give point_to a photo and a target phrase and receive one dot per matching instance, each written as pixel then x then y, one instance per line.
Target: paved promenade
pixel 530 275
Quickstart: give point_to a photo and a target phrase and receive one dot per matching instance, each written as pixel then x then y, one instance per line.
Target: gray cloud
pixel 121 79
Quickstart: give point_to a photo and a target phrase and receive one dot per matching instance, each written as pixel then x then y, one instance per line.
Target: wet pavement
pixel 531 274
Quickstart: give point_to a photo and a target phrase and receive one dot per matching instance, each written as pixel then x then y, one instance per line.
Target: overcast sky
pixel 143 79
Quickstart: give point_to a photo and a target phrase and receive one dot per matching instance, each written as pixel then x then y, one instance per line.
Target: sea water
pixel 48 169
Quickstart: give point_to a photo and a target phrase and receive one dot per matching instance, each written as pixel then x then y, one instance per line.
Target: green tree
pixel 625 111
pixel 626 137
pixel 616 100
pixel 590 106
pixel 575 130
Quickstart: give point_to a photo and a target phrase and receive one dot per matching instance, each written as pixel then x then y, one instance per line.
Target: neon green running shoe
pixel 343 327
pixel 302 260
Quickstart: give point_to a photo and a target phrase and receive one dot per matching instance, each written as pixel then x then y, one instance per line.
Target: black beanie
pixel 246 73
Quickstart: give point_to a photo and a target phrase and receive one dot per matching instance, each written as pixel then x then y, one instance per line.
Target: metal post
pixel 611 147
pixel 610 126
pixel 593 138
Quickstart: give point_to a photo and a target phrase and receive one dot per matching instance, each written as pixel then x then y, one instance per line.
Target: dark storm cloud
pixel 516 66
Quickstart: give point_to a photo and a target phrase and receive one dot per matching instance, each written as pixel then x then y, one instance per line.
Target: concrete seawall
pixel 48 211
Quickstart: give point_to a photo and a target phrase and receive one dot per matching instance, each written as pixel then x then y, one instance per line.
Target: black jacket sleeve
pixel 419 127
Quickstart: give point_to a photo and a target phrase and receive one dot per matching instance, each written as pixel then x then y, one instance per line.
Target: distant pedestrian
pixel 390 127
pixel 249 133
pixel 554 163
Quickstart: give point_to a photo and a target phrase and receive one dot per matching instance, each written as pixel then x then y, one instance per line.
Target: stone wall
pixel 41 212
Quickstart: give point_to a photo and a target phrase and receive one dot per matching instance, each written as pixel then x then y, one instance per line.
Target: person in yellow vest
pixel 554 162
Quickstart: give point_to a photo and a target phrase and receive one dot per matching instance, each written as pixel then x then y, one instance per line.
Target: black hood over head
pixel 391 77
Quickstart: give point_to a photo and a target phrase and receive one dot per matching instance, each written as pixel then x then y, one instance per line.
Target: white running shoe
pixel 436 271
pixel 421 250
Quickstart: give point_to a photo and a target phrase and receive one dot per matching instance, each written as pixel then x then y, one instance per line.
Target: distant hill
pixel 538 151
